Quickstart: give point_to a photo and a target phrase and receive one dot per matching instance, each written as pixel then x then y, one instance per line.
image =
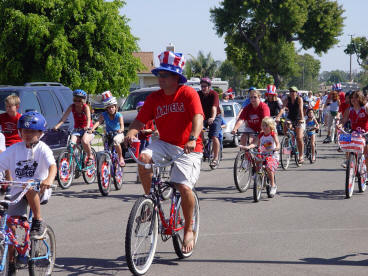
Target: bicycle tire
pixel 285 153
pixel 240 170
pixel 137 263
pixel 258 186
pixel 296 154
pixel 90 175
pixel 178 237
pixel 118 176
pixel 350 176
pixel 104 174
pixel 362 177
pixel 65 170
pixel 76 152
pixel 39 249
pixel 4 271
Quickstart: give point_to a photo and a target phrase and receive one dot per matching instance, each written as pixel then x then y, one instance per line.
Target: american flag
pixel 351 142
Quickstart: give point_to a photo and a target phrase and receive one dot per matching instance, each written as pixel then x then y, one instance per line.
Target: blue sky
pixel 187 25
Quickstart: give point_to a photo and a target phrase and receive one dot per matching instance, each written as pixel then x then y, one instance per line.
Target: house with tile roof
pixel 146 78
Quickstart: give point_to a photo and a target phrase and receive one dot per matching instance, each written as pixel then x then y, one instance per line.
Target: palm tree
pixel 202 66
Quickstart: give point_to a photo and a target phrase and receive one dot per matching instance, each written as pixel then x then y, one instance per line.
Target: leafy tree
pixel 82 43
pixel 306 77
pixel 359 47
pixel 201 66
pixel 335 76
pixel 260 34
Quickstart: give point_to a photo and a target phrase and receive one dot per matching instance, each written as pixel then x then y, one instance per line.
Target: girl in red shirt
pixel 82 122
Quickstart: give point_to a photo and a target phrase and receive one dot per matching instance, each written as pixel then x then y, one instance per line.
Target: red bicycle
pixel 147 220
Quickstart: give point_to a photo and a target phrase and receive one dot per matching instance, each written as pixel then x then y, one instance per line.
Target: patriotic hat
pixel 337 87
pixel 108 99
pixel 271 89
pixel 171 62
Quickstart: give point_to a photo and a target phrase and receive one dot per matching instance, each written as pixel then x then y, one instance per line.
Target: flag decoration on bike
pixel 353 142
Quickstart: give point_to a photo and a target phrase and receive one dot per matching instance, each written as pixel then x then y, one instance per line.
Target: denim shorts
pixel 214 128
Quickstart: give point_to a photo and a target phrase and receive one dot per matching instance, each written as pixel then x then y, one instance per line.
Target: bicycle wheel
pixel 3 259
pixel 178 237
pixel 350 175
pixel 90 172
pixel 259 182
pixel 296 154
pixel 141 236
pixel 285 152
pixel 43 254
pixel 76 152
pixel 65 172
pixel 362 176
pixel 118 176
pixel 242 172
pixel 104 174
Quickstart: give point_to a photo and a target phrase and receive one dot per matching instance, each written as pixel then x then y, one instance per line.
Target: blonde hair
pixel 12 100
pixel 268 121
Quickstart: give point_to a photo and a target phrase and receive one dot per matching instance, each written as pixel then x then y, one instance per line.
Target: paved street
pixel 309 228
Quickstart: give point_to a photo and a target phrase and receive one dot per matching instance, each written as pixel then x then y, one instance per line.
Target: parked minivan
pixel 51 99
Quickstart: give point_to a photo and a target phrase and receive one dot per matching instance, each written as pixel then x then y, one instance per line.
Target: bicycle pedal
pixel 22 259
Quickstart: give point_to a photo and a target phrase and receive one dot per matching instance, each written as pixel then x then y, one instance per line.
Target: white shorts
pixel 186 168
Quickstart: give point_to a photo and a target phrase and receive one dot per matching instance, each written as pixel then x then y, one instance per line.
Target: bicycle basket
pixel 351 142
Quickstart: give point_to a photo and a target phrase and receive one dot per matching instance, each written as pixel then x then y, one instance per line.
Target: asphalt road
pixel 309 228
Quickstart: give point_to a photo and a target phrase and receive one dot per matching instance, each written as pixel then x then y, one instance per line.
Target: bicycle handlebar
pixel 27 185
pixel 148 166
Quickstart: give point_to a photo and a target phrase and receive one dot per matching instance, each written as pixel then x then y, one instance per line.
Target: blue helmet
pixel 252 88
pixel 32 120
pixel 80 93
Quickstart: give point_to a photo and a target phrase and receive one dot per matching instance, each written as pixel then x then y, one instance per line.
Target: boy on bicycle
pixel 82 122
pixel 29 160
pixel 114 123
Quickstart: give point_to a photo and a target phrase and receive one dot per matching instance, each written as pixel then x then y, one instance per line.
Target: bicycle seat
pixel 4 205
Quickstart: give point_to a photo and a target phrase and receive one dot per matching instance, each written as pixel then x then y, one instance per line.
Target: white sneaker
pixel 273 190
pixel 343 164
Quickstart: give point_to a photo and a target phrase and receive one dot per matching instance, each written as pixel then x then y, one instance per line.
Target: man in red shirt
pixel 178 115
pixel 212 115
pixel 9 120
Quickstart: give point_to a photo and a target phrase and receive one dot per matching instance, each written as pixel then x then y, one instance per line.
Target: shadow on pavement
pixel 95 194
pixel 90 266
pixel 325 195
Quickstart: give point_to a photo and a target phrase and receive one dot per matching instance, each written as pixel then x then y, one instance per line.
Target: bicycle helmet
pixel 206 80
pixel 32 120
pixel 139 104
pixel 252 88
pixel 80 93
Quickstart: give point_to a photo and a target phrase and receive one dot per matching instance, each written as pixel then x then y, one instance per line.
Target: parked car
pixel 231 111
pixel 51 100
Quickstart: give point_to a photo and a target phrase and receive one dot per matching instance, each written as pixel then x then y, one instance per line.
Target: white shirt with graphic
pixel 26 164
pixel 267 143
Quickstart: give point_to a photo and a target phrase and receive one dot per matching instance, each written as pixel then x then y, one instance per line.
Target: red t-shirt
pixel 173 114
pixel 148 125
pixel 358 119
pixel 254 116
pixel 9 128
pixel 208 101
pixel 80 119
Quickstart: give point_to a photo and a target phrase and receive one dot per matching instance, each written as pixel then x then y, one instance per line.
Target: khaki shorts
pixel 118 138
pixel 186 168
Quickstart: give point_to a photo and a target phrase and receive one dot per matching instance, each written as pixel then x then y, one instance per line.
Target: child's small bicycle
pixel 289 147
pixel 147 220
pixel 38 255
pixel 354 143
pixel 260 179
pixel 72 162
pixel 108 166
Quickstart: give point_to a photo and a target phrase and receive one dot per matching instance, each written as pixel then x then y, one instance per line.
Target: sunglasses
pixel 77 100
pixel 253 97
pixel 204 86
pixel 163 75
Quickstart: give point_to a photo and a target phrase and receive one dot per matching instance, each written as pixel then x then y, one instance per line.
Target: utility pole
pixel 351 79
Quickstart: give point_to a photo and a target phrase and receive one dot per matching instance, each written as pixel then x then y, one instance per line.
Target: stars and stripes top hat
pixel 171 62
pixel 336 87
pixel 271 89
pixel 106 95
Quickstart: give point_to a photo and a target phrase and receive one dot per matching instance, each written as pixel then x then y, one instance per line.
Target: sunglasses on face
pixel 204 86
pixel 77 100
pixel 163 75
pixel 253 97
